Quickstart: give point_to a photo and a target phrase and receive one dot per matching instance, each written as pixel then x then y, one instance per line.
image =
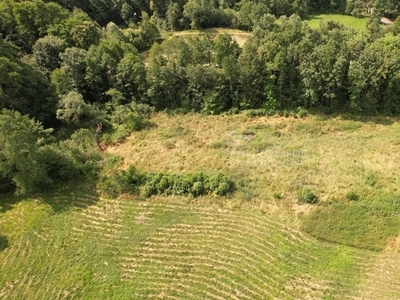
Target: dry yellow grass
pixel 239 35
pixel 274 155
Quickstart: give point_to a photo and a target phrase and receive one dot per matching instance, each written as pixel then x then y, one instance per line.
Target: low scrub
pixel 306 195
pixel 367 224
pixel 134 181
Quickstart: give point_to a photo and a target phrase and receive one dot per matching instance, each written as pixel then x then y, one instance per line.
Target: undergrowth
pixel 133 181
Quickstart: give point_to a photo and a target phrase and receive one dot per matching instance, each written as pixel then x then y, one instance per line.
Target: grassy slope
pixel 77 245
pixel 166 248
pixel 272 155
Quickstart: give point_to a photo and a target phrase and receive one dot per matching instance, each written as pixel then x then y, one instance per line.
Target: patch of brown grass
pixel 268 155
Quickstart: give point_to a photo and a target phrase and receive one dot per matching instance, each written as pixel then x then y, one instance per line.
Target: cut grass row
pixel 272 159
pixel 118 248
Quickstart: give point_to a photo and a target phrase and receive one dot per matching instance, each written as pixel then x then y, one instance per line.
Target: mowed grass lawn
pixel 356 23
pixel 165 248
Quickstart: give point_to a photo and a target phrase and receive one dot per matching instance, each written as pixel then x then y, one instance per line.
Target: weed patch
pixel 175 131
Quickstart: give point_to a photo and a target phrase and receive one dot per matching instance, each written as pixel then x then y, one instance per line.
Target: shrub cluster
pixel 134 181
pixel 307 196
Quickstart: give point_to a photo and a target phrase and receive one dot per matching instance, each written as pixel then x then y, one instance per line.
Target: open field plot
pixel 357 23
pixel 272 158
pixel 77 245
pixel 239 36
pixel 172 249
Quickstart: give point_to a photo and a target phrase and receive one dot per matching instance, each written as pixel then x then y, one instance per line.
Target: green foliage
pixel 60 168
pixel 302 113
pixel 365 224
pixel 63 28
pixel 6 184
pixel 131 77
pixel 102 67
pixel 46 52
pixel 125 119
pixel 145 35
pixel 277 195
pixel 306 195
pixel 22 88
pixel 21 141
pixel 133 181
pixel 352 196
pixel 73 109
pixel 33 19
pixel 86 34
pixel 82 151
pixel 72 72
pixel 32 162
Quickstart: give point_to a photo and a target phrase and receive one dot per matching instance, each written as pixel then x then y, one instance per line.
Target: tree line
pixel 280 67
pixel 61 65
pixel 70 65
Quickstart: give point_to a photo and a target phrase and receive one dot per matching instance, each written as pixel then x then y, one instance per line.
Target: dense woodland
pixel 70 65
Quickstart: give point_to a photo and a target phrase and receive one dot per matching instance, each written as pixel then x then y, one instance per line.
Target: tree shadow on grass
pixel 379 120
pixel 327 113
pixel 3 243
pixel 61 199
pixel 7 201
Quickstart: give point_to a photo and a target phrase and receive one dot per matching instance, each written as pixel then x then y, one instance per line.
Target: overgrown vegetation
pixel 306 195
pixel 133 181
pixel 32 161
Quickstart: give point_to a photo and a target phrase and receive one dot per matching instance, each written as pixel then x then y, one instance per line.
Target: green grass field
pixel 165 248
pixel 74 244
pixel 356 23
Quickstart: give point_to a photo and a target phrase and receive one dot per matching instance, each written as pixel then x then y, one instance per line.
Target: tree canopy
pixel 71 65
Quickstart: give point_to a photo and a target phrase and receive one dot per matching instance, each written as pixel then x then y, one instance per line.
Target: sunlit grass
pixel 74 244
pixel 269 155
pixel 126 248
pixel 356 23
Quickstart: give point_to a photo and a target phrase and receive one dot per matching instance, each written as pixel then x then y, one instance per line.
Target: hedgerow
pixel 146 184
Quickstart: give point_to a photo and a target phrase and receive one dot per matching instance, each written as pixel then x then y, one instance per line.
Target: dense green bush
pixel 307 196
pixel 133 181
pixel 33 161
pixel 125 119
pixel 352 196
pixel 83 152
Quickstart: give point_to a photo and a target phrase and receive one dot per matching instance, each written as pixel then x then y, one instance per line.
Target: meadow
pixel 259 243
pixel 346 20
pixel 75 245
